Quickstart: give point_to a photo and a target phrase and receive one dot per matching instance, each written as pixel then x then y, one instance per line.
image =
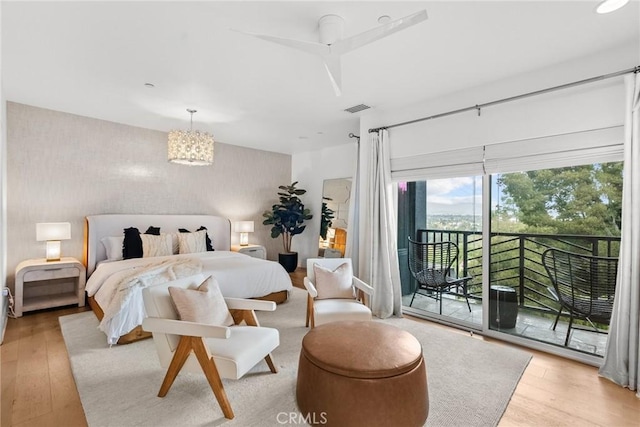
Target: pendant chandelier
pixel 191 147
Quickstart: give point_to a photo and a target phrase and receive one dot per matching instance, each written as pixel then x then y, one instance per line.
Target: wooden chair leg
pixel 238 316
pixel 272 366
pixel 310 317
pixel 250 318
pixel 211 372
pixel 177 362
pixel 309 309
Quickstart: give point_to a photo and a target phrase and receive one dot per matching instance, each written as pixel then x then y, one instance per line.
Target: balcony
pixel 516 262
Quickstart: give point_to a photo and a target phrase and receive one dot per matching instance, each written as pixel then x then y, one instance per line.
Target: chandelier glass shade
pixel 191 147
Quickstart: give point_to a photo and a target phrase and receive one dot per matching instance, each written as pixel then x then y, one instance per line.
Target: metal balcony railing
pixel 516 260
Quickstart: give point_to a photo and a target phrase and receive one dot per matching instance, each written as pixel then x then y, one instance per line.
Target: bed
pixel 239 275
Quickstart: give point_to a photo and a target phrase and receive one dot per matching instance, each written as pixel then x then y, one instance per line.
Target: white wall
pixel 311 169
pixel 585 107
pixel 3 205
pixel 590 106
pixel 62 167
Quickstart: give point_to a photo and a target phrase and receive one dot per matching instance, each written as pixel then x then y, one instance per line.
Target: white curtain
pixel 622 358
pixel 353 230
pixel 373 242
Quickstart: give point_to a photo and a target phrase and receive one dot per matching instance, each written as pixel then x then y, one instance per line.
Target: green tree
pixel 582 199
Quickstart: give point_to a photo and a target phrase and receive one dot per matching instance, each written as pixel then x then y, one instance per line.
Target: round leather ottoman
pixel 357 373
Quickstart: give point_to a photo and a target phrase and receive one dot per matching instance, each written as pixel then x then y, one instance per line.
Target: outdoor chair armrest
pixel 553 293
pixel 461 280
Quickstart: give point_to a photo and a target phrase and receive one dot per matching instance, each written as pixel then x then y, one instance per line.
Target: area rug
pixel 470 381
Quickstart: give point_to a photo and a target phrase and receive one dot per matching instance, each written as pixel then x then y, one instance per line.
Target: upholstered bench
pixel 354 373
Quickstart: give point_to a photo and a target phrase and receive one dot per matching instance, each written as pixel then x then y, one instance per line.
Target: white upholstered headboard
pixel 99 226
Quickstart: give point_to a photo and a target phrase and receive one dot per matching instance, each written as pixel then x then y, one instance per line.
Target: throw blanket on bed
pixel 131 283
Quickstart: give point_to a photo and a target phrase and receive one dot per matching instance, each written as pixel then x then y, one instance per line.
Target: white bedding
pixel 239 275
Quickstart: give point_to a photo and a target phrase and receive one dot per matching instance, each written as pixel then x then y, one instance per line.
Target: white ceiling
pixel 93 59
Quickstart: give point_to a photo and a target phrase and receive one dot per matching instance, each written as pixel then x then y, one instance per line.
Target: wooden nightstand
pixel 256 251
pixel 35 292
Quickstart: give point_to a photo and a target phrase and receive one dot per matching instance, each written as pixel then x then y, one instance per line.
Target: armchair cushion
pixel 336 283
pixel 331 310
pixel 245 347
pixel 203 305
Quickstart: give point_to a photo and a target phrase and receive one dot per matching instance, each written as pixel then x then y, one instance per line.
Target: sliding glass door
pixel 435 211
pixel 539 218
pixel 573 209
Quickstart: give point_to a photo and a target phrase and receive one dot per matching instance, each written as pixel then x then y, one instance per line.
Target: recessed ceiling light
pixel 149 85
pixel 608 6
pixel 384 19
pixel 303 137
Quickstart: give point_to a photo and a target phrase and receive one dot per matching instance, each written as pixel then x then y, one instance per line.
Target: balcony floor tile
pixel 530 324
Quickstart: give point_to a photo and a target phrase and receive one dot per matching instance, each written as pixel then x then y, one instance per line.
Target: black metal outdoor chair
pixel 584 285
pixel 431 264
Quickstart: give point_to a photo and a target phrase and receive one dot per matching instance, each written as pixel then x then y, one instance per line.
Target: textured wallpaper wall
pixel 62 167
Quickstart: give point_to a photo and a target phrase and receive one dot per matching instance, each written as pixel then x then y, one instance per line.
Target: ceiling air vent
pixel 357 108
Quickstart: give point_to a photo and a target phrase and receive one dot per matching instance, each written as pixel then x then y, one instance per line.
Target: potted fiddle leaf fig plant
pixel 326 218
pixel 286 219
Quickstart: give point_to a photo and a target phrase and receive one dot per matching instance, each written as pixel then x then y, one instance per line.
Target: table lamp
pixel 244 228
pixel 52 233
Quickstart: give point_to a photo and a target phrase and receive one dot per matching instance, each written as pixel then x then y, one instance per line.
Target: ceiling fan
pixel 332 45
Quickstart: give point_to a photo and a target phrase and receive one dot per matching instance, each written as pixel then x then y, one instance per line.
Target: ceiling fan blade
pixel 304 46
pixel 334 69
pixel 350 43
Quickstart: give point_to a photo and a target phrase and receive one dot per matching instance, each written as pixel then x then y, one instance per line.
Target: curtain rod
pixel 512 98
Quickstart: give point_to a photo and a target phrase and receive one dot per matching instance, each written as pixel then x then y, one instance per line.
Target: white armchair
pixel 320 311
pixel 219 351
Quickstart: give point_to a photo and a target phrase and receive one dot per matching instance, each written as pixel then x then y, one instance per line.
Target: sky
pixel 459 196
pixel 454 196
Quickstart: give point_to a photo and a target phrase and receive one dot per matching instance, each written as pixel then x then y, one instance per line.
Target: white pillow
pixel 113 247
pixel 175 243
pixel 191 243
pixel 153 245
pixel 203 305
pixel 334 284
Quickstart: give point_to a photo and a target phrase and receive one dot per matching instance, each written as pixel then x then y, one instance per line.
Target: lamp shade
pixel 53 231
pixel 243 227
pixel 192 148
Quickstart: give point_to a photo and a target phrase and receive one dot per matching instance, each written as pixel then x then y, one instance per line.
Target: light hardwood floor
pixel 38 388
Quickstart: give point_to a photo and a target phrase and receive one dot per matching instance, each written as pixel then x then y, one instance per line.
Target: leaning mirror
pixel 334 217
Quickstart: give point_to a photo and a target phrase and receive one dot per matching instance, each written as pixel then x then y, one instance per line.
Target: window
pixel 575 209
pixel 562 191
pixel 437 210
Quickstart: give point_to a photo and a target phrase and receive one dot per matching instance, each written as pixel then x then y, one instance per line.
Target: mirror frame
pixel 336 195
